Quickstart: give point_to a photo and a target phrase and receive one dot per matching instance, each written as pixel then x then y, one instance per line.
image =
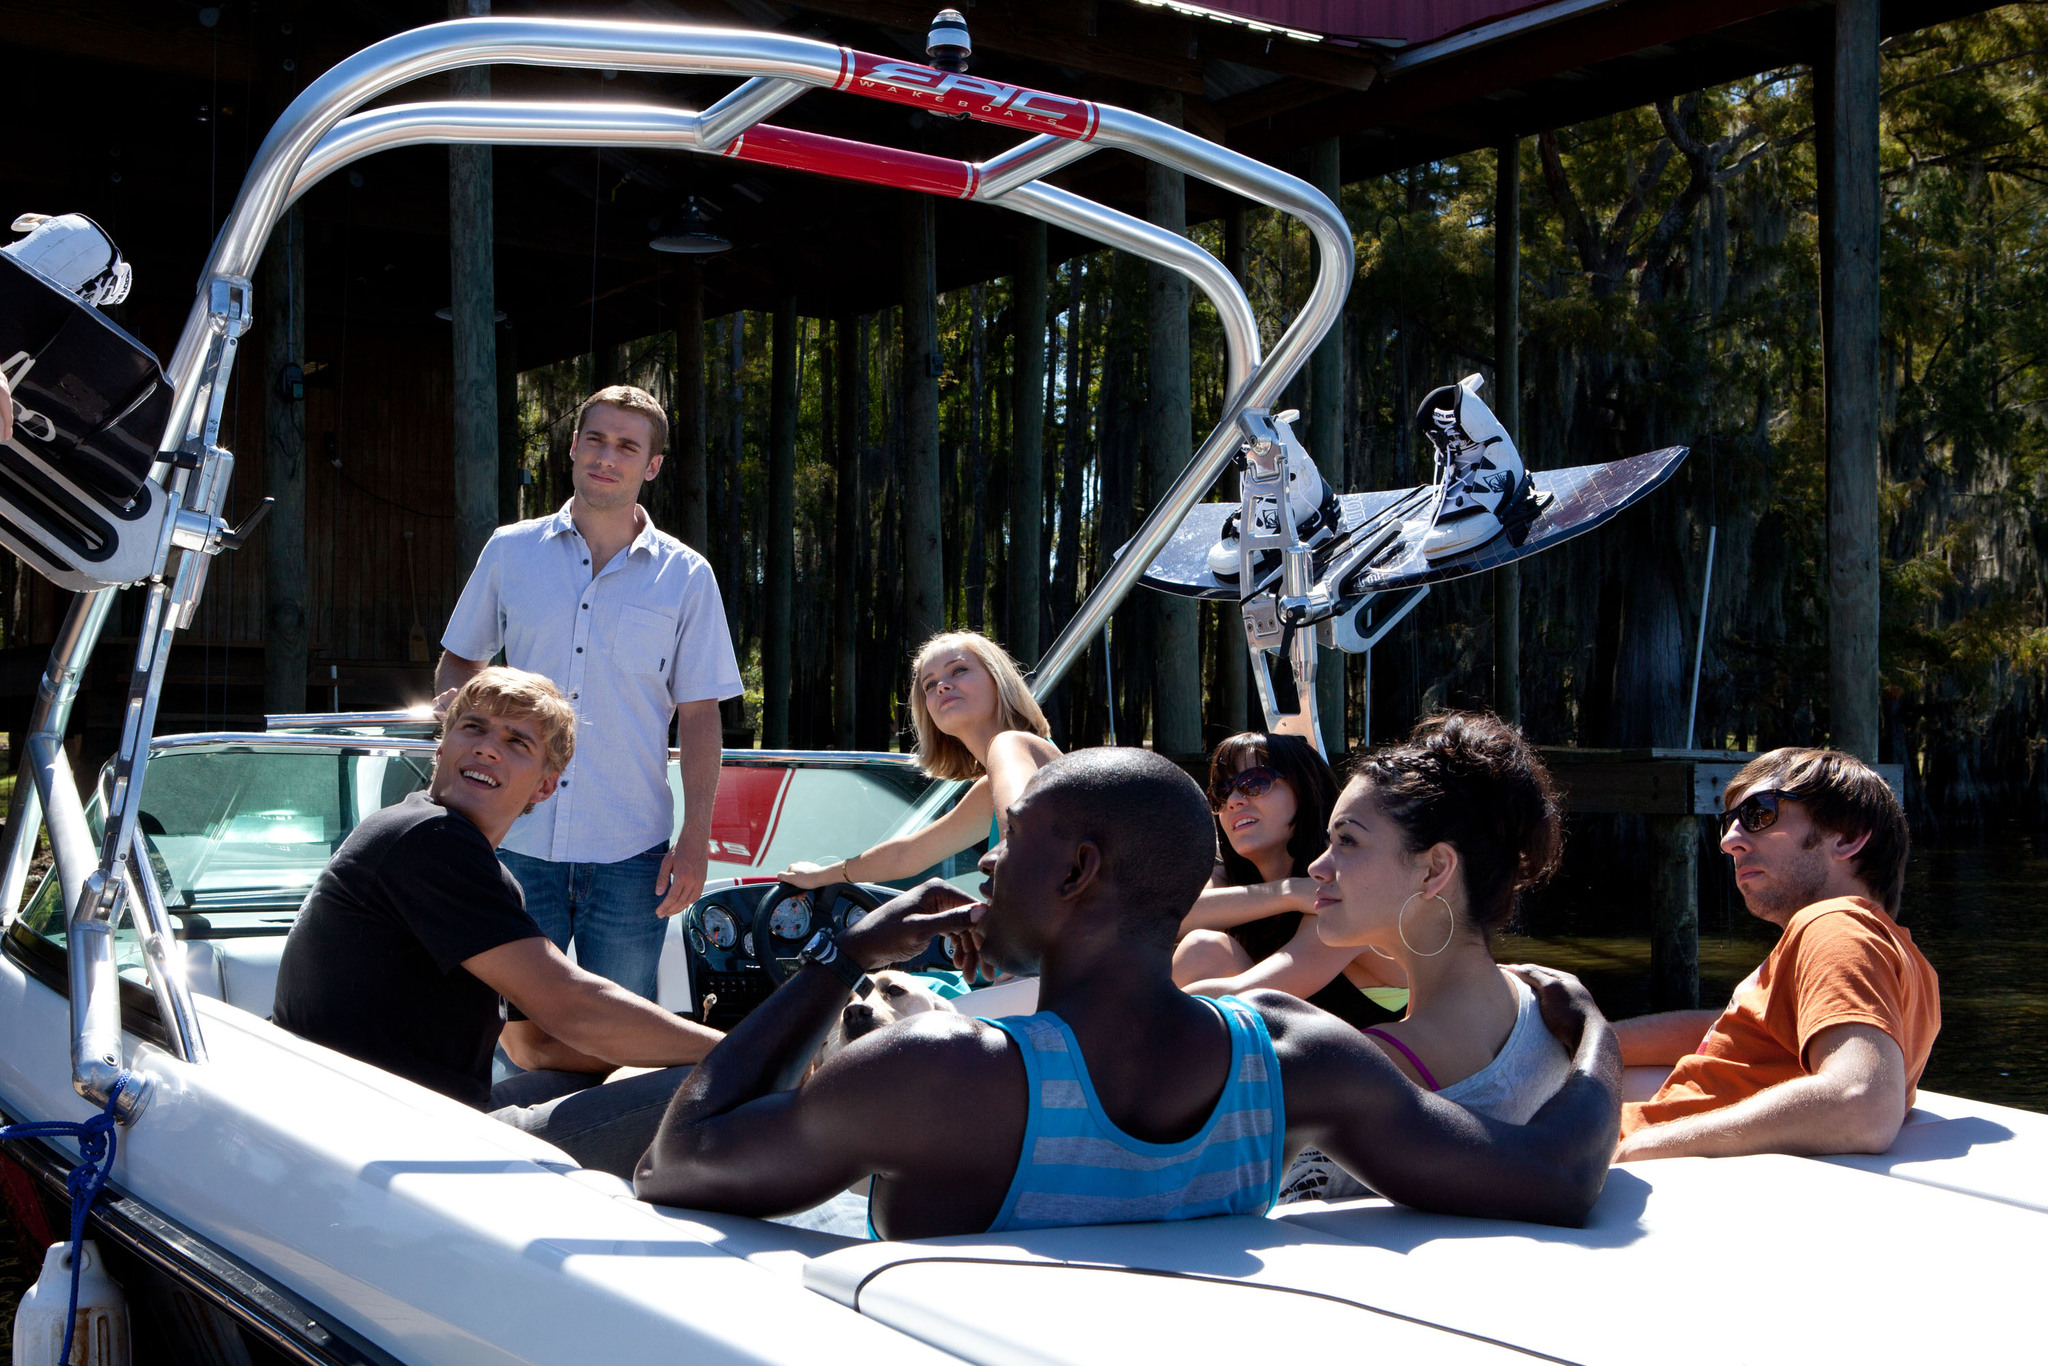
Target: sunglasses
pixel 1256 781
pixel 1758 811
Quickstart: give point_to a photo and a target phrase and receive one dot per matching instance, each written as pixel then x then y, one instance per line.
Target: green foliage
pixel 1671 294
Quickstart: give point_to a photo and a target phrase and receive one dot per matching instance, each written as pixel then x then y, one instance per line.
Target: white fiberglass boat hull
pixel 428 1229
pixel 437 1235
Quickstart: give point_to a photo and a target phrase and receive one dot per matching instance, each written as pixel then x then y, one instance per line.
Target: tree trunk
pixel 924 599
pixel 282 297
pixel 1326 444
pixel 1027 443
pixel 977 449
pixel 1233 658
pixel 1066 574
pixel 1120 434
pixel 847 504
pixel 1169 441
pixel 1507 406
pixel 778 569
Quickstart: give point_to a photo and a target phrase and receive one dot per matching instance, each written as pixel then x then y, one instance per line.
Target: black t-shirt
pixel 373 967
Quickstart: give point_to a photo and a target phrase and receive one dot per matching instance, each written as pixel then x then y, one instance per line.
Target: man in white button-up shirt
pixel 627 622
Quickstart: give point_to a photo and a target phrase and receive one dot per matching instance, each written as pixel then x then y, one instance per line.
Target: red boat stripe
pixel 849 160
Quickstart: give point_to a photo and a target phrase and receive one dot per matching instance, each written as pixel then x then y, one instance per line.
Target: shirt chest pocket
pixel 644 642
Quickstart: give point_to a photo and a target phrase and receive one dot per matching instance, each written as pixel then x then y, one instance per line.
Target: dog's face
pixel 896 996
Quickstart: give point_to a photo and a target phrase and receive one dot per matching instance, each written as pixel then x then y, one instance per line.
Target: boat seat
pixel 202 968
pixel 242 972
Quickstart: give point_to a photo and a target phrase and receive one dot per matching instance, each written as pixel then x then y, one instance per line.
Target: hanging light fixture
pixel 691 237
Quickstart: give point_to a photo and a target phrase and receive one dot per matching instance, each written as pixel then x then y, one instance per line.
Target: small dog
pixel 896 996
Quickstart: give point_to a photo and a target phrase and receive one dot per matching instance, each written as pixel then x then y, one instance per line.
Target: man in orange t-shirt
pixel 1822 1047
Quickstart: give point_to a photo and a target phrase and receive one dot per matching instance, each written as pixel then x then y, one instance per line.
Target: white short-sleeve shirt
pixel 626 646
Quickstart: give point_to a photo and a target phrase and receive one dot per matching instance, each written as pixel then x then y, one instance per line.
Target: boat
pixel 271 1200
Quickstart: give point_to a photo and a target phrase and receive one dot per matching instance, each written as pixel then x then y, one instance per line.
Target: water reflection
pixel 1974 907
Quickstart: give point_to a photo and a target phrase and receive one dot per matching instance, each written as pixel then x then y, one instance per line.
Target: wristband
pixel 823 949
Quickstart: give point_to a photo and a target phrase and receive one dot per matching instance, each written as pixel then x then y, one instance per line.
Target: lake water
pixel 1977 908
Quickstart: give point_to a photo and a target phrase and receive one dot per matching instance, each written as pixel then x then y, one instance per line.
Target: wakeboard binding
pixel 1481 482
pixel 1311 503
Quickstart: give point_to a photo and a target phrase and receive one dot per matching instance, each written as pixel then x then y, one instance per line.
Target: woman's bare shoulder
pixel 1022 744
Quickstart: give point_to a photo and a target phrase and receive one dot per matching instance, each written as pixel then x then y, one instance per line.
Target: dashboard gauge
pixel 792 919
pixel 850 912
pixel 719 927
pixel 697 941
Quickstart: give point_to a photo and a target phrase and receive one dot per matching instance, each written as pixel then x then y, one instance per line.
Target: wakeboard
pixel 1565 503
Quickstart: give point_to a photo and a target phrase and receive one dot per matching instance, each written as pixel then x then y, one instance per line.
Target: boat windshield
pixel 237 833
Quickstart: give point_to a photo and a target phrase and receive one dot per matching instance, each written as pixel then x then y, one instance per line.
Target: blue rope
pixel 97 1138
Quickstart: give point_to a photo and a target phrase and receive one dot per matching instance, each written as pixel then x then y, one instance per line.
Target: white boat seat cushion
pixel 247 968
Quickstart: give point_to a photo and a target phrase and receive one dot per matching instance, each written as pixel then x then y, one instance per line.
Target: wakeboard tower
pixel 1340 571
pixel 137 478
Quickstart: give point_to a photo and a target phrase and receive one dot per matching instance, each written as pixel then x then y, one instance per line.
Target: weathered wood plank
pixel 1675 914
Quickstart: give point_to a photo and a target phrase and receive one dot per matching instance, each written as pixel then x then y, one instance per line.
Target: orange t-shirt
pixel 1842 961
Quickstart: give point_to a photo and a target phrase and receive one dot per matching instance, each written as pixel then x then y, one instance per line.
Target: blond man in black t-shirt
pixel 414 932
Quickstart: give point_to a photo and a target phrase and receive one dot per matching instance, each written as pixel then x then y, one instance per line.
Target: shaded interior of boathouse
pixel 426 314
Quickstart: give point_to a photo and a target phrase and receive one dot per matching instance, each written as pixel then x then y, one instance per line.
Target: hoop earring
pixel 1450 927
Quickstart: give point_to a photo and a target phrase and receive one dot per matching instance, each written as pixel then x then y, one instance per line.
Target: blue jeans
pixel 607 908
pixel 605 1128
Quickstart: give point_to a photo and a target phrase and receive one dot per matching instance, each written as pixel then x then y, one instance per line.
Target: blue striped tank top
pixel 1078 1167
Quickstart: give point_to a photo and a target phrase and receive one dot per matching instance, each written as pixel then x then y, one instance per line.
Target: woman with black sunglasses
pixel 1272 796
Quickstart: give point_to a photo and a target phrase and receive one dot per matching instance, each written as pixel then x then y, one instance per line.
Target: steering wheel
pixel 778 957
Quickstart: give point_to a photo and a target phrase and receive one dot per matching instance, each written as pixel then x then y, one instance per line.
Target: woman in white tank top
pixel 1431 841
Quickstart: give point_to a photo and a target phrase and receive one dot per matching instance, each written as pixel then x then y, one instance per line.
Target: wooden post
pixel 1507 406
pixel 473 313
pixel 851 435
pixel 924 587
pixel 735 456
pixel 779 567
pixel 282 296
pixel 732 711
pixel 686 434
pixel 1169 442
pixel 1675 913
pixel 1326 443
pixel 1847 86
pixel 1233 659
pixel 1027 443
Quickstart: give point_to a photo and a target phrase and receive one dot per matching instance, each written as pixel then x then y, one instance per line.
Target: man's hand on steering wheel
pixel 899 929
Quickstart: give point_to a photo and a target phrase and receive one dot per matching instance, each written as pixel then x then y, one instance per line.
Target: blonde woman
pixel 975 719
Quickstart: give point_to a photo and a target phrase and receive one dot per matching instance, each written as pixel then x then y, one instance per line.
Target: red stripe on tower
pixel 848 160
